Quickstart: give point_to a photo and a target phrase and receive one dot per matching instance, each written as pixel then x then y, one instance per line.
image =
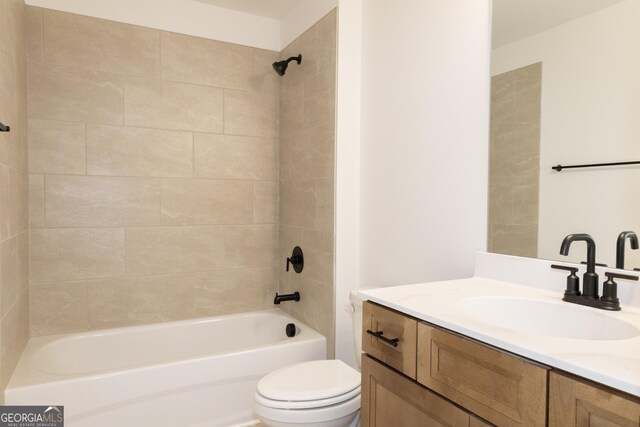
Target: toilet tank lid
pixel 318 379
pixel 357 299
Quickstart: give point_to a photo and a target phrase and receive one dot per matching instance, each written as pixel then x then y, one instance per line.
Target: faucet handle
pixel 573 281
pixel 573 270
pixel 612 275
pixel 610 288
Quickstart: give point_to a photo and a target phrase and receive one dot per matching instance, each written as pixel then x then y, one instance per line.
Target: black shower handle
pixel 296 259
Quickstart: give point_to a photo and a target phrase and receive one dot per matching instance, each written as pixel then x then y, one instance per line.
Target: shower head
pixel 281 66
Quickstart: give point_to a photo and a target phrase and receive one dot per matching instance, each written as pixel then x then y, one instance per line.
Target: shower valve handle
pixel 296 259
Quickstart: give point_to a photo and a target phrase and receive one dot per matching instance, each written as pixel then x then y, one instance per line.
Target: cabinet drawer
pixel 389 399
pixel 500 388
pixel 393 325
pixel 574 403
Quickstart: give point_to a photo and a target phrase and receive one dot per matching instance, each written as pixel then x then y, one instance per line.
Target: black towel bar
pixel 594 165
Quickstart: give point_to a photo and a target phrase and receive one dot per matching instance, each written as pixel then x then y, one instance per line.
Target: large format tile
pixel 518 240
pixel 235 157
pixel 71 93
pixel 265 81
pixel 298 203
pixel 138 300
pixel 265 202
pixel 9 289
pixel 126 151
pixel 234 291
pixel 152 250
pixel 525 204
pixel 75 254
pixel 169 105
pixel 4 28
pixel 13 201
pixel 501 204
pixel 14 330
pixel 207 62
pixel 325 204
pixel 34 30
pixel 36 201
pixel 57 147
pixel 58 308
pixel 9 141
pixel 104 45
pixel 204 202
pixel 5 207
pixel 250 113
pixel 318 253
pixel 95 201
pixel 23 261
pixel 250 246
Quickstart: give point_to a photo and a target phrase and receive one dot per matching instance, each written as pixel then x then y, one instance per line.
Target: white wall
pixel 348 173
pixel 202 20
pixel 424 148
pixel 180 16
pixel 302 17
pixel 590 114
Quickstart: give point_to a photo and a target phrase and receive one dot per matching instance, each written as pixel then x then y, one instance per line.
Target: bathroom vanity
pixel 439 354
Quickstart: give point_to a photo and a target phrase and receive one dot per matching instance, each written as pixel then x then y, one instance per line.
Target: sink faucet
pixel 590 277
pixel 622 238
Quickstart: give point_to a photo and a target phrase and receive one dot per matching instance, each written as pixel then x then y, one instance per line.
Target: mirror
pixel 565 91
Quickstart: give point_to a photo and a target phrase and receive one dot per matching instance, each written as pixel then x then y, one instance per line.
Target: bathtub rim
pixel 26 374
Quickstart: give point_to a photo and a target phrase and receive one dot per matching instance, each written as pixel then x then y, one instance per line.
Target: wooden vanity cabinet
pixel 435 377
pixel 575 402
pixel 499 387
pixel 393 325
pixel 390 399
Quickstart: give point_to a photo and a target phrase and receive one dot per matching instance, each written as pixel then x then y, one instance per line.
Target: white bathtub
pixel 200 372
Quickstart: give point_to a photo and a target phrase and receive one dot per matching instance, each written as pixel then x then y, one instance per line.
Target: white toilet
pixel 320 393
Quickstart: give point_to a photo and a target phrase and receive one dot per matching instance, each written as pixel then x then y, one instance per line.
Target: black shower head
pixel 281 66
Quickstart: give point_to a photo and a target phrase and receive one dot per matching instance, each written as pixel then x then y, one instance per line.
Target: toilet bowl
pixel 320 393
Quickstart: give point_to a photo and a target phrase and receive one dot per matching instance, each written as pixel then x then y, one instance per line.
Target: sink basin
pixel 557 319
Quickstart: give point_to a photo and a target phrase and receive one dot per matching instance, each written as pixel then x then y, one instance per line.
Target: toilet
pixel 320 393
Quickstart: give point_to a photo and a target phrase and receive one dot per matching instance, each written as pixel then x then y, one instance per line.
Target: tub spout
pixel 287 297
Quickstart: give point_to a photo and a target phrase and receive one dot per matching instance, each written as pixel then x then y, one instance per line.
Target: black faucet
pixel 622 238
pixel 287 297
pixel 589 297
pixel 590 278
pixel 610 290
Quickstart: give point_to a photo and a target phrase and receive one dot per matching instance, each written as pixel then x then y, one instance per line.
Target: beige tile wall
pixel 307 163
pixel 14 239
pixel 515 161
pixel 153 174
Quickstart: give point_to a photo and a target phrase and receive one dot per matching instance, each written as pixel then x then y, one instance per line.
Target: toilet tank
pixel 356 304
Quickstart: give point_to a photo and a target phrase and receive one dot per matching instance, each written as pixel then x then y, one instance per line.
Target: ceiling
pixel 516 19
pixel 274 9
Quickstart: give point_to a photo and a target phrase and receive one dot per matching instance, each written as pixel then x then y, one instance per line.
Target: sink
pixel 557 319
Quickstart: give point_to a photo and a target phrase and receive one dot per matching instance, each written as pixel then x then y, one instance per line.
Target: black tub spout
pixel 287 297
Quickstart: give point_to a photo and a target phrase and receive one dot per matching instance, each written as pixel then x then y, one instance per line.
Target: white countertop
pixel 615 363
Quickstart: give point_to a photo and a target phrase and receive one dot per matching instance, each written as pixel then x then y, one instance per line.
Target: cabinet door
pixel 495 385
pixel 392 400
pixel 394 325
pixel 573 403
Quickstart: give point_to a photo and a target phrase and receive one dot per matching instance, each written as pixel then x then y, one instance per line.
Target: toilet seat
pixel 313 381
pixel 309 392
pixel 306 404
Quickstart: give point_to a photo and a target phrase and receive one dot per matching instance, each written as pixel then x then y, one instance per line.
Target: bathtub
pixel 200 372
